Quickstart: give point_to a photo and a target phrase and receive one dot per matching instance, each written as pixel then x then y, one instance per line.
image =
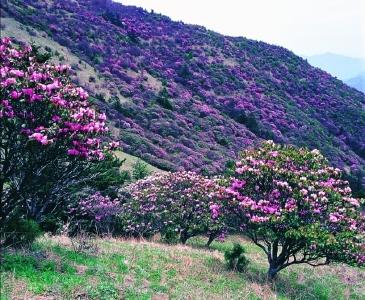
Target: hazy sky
pixel 304 26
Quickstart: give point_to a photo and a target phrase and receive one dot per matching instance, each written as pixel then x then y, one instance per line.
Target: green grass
pixel 130 160
pixel 130 269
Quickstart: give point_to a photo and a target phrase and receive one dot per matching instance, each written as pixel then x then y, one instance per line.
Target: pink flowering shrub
pixel 295 207
pixel 40 103
pixel 173 204
pixel 96 212
pixel 50 135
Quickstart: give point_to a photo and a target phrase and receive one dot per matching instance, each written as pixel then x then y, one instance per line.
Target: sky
pixel 307 27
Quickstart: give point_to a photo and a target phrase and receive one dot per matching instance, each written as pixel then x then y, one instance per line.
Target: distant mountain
pixel 340 66
pixel 357 82
pixel 184 97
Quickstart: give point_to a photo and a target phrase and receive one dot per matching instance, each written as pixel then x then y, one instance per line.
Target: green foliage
pixel 250 121
pixel 140 170
pixel 104 291
pixel 19 233
pixel 163 99
pixel 235 258
pixel 109 177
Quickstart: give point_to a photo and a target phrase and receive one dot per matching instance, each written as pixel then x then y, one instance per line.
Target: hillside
pixel 129 269
pixel 184 97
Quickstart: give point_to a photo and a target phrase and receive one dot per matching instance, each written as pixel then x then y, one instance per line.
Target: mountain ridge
pixel 357 82
pixel 195 98
pixel 342 66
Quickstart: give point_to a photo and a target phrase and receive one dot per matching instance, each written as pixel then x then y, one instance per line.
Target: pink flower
pixel 28 92
pixel 73 152
pixel 238 184
pixel 56 118
pixel 275 193
pixel 17 73
pixel 258 219
pixel 82 93
pixel 41 138
pixel 114 145
pixel 36 76
pixel 304 192
pixel 274 153
pixel 15 95
pixel 335 217
pixel 9 81
pixel 214 208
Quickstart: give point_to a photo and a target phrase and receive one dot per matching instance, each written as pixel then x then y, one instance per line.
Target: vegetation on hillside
pixel 197 98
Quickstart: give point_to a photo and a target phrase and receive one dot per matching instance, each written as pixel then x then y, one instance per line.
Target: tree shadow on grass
pixel 288 284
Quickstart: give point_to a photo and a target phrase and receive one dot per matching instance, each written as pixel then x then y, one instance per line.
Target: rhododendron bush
pixel 173 204
pixel 295 207
pixel 50 135
pixel 96 213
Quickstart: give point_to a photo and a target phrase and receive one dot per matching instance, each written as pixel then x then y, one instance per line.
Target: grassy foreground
pixel 56 268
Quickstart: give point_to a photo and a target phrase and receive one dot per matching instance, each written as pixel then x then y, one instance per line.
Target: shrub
pixel 95 213
pixel 163 99
pixel 50 135
pixel 177 205
pixel 295 207
pixel 19 233
pixel 235 258
pixel 140 170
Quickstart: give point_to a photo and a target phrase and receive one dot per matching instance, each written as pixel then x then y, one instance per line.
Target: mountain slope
pixel 342 67
pixel 195 98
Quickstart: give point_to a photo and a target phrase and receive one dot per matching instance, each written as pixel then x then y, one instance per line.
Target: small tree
pixel 140 170
pixel 295 207
pixel 173 204
pixel 49 138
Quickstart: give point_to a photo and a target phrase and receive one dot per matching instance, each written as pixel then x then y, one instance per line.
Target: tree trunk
pixel 2 183
pixel 210 240
pixel 183 237
pixel 272 272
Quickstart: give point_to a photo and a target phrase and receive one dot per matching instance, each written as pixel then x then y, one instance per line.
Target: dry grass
pixel 141 269
pixel 130 160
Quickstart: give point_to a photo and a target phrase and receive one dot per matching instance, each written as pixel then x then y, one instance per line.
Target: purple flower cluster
pixel 39 101
pixel 97 207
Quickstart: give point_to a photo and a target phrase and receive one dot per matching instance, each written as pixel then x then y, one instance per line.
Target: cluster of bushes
pixel 288 201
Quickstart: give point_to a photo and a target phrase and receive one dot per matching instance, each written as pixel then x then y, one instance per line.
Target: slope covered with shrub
pixel 197 97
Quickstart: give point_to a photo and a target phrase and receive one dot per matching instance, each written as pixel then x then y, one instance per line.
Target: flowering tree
pixel 49 136
pixel 174 204
pixel 295 207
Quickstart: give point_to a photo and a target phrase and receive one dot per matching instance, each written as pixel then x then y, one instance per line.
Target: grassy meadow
pixel 105 268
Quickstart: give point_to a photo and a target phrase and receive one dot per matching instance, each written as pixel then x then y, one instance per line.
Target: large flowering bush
pixel 295 207
pixel 49 134
pixel 173 204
